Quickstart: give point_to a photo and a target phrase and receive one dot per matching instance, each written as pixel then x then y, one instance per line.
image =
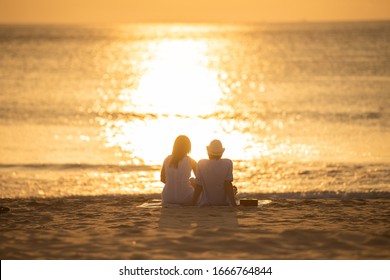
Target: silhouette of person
pixel 176 171
pixel 214 177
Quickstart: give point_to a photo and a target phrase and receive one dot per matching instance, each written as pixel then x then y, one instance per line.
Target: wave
pixel 343 117
pixel 68 116
pixel 370 194
pixel 75 166
pixel 264 198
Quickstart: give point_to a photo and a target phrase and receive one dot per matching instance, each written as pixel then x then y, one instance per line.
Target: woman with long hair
pixel 176 172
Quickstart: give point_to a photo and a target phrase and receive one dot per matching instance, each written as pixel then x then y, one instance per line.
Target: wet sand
pixel 137 227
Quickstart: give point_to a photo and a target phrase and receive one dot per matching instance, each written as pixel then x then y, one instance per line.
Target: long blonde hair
pixel 181 148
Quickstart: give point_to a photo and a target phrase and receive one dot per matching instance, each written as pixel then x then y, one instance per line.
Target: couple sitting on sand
pixel 213 184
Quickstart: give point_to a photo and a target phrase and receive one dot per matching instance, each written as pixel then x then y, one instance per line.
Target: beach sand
pixel 137 227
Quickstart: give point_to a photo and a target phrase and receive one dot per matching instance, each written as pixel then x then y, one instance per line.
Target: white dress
pixel 177 187
pixel 211 175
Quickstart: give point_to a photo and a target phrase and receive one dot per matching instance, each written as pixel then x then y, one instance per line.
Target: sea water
pixel 303 109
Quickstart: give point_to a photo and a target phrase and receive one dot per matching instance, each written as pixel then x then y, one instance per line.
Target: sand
pixel 137 227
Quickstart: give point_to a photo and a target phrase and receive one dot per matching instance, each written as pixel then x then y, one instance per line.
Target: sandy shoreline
pixel 137 227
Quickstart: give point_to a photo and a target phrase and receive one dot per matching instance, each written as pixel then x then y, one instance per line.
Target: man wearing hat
pixel 214 177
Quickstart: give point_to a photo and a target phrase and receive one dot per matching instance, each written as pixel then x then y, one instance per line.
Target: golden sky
pixel 106 11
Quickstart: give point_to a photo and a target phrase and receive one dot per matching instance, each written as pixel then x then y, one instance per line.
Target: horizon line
pixel 194 22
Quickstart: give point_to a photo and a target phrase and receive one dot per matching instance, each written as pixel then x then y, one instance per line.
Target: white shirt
pixel 211 175
pixel 177 187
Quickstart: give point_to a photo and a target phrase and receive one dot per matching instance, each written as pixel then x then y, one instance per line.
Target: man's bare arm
pixel 229 192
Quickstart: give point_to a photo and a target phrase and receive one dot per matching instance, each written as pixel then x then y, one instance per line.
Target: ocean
pixel 303 109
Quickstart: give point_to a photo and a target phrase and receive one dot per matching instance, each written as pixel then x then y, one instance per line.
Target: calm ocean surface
pixel 303 109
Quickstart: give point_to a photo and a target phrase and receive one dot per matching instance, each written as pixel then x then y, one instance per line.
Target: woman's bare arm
pixel 162 175
pixel 193 165
pixel 195 196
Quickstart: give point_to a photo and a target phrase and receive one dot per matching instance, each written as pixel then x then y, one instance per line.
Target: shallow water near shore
pixel 294 179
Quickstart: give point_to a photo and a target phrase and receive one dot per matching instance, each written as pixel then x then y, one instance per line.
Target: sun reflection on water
pixel 148 142
pixel 177 92
pixel 177 81
pixel 183 96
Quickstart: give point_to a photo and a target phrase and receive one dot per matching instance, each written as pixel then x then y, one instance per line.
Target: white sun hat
pixel 215 148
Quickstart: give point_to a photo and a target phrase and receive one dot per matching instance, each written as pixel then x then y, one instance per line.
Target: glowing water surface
pixel 98 109
pixel 181 95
